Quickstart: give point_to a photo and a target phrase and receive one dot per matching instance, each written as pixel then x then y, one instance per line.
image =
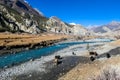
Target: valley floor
pixel 73 67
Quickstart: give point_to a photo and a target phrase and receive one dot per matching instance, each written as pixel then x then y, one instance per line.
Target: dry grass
pixel 23 39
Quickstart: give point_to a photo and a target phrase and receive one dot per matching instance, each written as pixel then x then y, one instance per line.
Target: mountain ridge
pixel 19 16
pixel 113 26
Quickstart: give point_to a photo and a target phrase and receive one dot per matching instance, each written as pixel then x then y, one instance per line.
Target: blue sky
pixel 85 12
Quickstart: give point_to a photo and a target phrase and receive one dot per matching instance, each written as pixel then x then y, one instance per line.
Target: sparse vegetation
pixel 108 74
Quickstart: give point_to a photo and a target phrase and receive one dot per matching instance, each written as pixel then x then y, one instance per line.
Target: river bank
pixel 13 43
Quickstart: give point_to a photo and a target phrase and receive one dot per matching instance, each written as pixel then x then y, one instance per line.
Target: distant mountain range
pixel 111 27
pixel 111 30
pixel 19 16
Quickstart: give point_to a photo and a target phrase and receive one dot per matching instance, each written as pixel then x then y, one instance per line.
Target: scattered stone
pixel 73 53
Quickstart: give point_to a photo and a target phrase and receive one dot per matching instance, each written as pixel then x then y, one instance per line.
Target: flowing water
pixel 13 59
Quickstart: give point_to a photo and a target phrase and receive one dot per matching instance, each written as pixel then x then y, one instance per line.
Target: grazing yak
pixel 92 58
pixel 57 59
pixel 108 55
pixel 93 55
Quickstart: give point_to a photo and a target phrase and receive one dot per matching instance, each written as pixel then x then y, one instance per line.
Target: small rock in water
pixel 31 59
pixel 27 48
pixel 6 67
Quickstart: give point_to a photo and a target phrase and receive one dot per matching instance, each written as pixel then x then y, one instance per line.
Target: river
pixel 21 57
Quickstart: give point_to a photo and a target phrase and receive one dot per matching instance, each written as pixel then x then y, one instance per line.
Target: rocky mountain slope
pixel 19 16
pixel 54 24
pixel 79 29
pixel 21 6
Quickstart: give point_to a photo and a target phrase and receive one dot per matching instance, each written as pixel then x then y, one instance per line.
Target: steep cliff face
pixel 56 25
pixel 16 15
